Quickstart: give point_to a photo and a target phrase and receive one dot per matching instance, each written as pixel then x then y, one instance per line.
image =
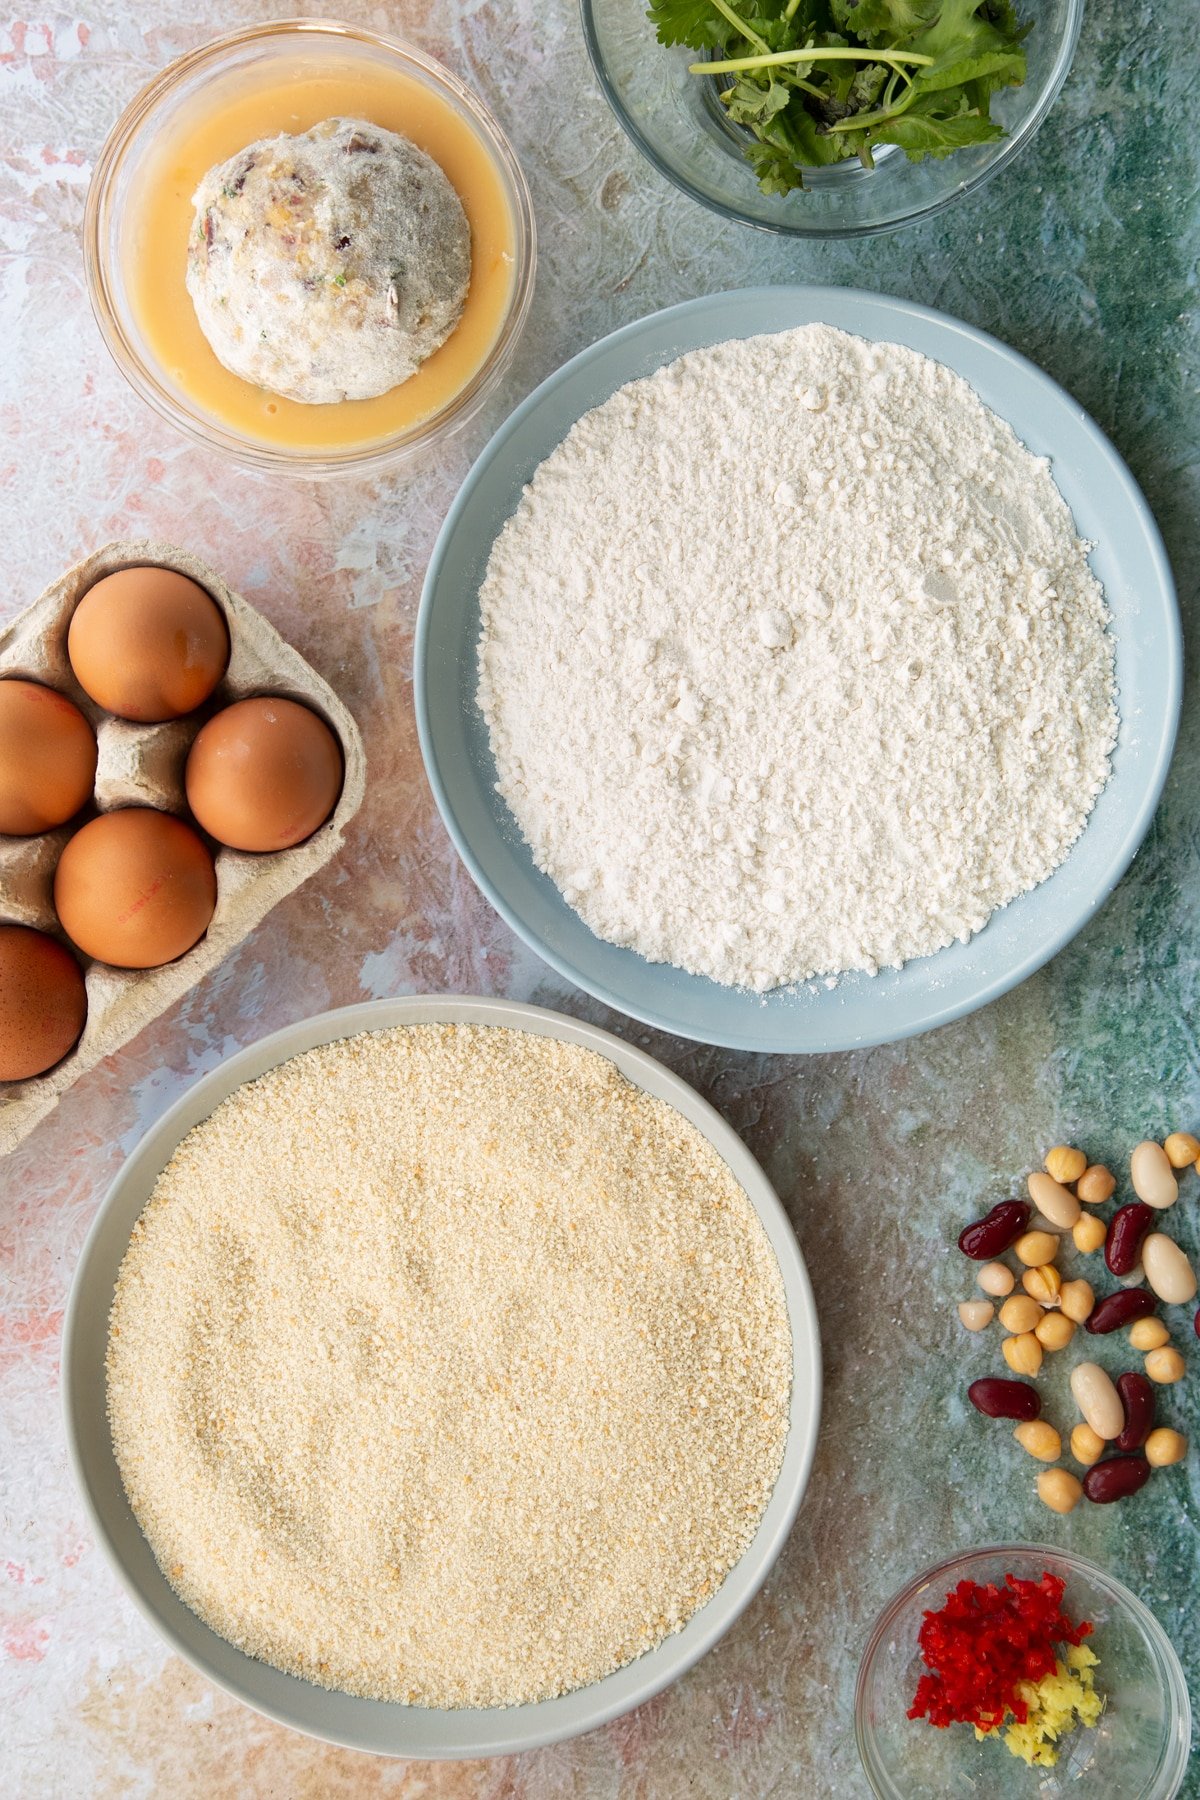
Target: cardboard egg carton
pixel 142 765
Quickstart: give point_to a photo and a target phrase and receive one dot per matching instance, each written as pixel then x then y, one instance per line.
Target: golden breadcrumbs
pixel 446 1366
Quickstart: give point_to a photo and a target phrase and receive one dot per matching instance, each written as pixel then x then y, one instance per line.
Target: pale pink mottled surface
pixel 878 1156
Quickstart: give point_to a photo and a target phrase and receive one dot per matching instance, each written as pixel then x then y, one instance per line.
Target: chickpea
pixel 997 1279
pixel 1059 1490
pixel 1023 1353
pixel 1019 1314
pixel 1164 1447
pixel 1164 1365
pixel 1043 1284
pixel 1040 1439
pixel 976 1315
pixel 1182 1148
pixel 1148 1334
pixel 1089 1233
pixel 1077 1300
pixel 1064 1164
pixel 1096 1185
pixel 1055 1331
pixel 1036 1247
pixel 1087 1447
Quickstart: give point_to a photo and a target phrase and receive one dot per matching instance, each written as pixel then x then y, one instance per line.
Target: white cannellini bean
pixel 1053 1201
pixel 1168 1270
pixel 1152 1176
pixel 1098 1400
pixel 976 1315
pixel 1134 1278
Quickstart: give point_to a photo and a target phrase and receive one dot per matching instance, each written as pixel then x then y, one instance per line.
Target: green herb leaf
pixel 1000 68
pixel 868 84
pixel 923 134
pixel 696 23
pixel 749 104
pixel 915 73
pixel 960 28
pixel 810 143
pixel 777 171
pixel 1003 15
pixel 892 21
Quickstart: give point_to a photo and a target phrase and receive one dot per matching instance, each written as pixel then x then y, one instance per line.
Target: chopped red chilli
pixel 985 1640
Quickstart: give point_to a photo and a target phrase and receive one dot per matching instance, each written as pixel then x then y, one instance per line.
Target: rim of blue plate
pixel 826 304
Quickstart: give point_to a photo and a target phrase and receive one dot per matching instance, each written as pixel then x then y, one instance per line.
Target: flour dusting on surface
pixel 793 664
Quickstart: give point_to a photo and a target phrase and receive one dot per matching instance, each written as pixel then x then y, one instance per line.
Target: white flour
pixel 793 663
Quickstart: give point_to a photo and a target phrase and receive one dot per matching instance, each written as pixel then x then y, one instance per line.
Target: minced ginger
pixel 1056 1704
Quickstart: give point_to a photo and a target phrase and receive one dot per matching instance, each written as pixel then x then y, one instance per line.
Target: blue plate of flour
pixel 1128 559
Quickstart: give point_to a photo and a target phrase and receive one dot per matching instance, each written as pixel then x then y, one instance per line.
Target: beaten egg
pixel 263 774
pixel 135 888
pixel 148 644
pixel 47 758
pixel 43 1002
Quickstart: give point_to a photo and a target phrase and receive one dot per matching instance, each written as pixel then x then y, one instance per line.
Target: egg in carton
pixel 143 765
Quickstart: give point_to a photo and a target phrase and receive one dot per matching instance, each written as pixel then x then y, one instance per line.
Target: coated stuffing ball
pixel 329 265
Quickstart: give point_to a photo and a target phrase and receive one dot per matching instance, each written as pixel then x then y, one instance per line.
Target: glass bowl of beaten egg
pixel 256 84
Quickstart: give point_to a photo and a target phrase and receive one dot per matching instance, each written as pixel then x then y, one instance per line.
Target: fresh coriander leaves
pixel 816 81
pixel 756 103
pixel 696 23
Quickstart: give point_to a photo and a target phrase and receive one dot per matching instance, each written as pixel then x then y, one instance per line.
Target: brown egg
pixel 47 758
pixel 43 1002
pixel 135 888
pixel 148 644
pixel 263 774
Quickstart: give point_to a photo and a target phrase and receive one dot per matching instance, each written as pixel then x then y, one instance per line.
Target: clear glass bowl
pixel 1138 1750
pixel 676 120
pixel 291 48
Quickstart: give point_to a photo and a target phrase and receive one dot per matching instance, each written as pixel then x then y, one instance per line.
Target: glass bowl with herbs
pixel 1020 1670
pixel 830 118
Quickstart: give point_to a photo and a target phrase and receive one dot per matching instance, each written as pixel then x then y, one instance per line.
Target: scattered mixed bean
pixel 1118 1444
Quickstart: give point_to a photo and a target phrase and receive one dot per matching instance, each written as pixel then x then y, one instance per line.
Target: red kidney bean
pixel 1115 1478
pixel 1127 1227
pixel 1000 1399
pixel 1137 1397
pixel 989 1236
pixel 1120 1309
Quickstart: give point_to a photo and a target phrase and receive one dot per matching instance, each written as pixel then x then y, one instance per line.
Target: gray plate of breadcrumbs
pixel 442 1377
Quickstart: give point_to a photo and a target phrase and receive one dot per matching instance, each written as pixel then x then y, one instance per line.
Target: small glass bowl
pixel 299 47
pixel 677 122
pixel 1139 1749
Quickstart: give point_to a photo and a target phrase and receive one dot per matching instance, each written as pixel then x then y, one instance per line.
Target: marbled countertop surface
pixel 1083 256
